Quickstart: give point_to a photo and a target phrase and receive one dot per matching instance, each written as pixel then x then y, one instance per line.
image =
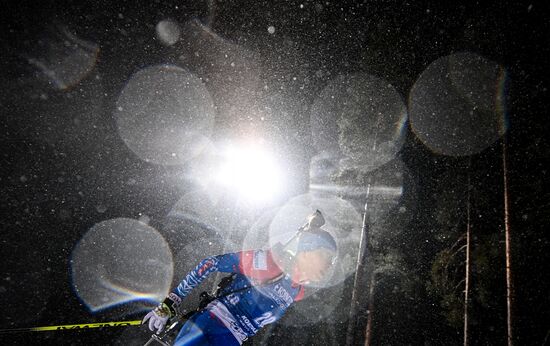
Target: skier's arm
pixel 228 263
pixel 168 308
pixel 255 264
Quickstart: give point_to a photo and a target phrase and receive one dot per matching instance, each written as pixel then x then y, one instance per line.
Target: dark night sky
pixel 66 168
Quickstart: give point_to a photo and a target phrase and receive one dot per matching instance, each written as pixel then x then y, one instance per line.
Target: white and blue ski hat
pixel 317 239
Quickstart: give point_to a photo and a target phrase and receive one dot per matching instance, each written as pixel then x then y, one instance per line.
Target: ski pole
pixel 160 338
pixel 72 326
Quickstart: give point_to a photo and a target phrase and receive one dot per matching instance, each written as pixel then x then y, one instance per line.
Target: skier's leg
pixel 190 334
pixel 204 329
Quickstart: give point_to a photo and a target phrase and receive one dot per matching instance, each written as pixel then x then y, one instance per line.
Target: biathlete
pixel 265 283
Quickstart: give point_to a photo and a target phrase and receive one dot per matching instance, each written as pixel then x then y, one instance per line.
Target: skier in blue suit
pixel 264 284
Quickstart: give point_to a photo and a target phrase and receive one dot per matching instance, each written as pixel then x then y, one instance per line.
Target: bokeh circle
pixel 165 115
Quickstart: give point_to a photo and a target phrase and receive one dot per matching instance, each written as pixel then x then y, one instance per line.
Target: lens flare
pixel 120 261
pixel 361 117
pixel 168 32
pixel 457 105
pixel 342 221
pixel 64 58
pixel 165 115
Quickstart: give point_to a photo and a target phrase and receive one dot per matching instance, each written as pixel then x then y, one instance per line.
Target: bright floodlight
pixel 251 172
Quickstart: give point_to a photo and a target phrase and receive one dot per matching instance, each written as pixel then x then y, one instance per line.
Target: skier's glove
pixel 160 315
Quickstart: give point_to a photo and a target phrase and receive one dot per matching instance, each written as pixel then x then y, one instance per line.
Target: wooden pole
pixel 352 323
pixel 368 329
pixel 507 232
pixel 467 279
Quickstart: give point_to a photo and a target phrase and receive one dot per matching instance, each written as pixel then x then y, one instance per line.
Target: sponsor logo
pixel 260 260
pixel 233 299
pixel 237 331
pixel 246 321
pixel 96 325
pixel 207 265
pixel 175 298
pixel 283 294
pixel 227 318
pixel 266 318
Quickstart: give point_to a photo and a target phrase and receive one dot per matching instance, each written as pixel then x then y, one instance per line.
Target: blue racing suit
pixel 259 294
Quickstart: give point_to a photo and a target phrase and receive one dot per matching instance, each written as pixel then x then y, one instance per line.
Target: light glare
pixel 251 172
